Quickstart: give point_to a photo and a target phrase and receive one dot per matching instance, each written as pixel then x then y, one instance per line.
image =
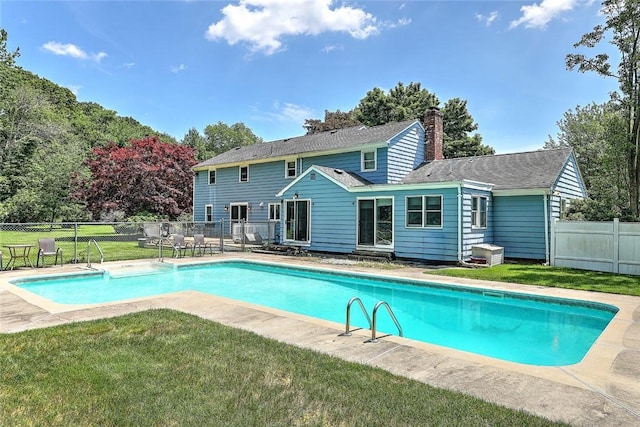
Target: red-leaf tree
pixel 146 176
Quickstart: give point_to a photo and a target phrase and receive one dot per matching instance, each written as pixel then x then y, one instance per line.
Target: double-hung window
pixel 274 211
pixel 368 161
pixel 478 212
pixel 212 177
pixel 244 174
pixel 208 213
pixel 290 169
pixel 424 211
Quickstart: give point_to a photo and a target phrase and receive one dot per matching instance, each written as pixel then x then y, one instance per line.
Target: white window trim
pixel 279 209
pixel 240 173
pixel 206 207
pixel 375 160
pixel 286 169
pixel 309 222
pixel 406 212
pixel 476 217
pixel 424 212
pixel 215 177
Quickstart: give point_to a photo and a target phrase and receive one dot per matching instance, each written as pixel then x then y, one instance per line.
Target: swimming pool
pixel 516 327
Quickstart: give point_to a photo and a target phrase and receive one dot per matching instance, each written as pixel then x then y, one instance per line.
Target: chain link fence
pixel 80 242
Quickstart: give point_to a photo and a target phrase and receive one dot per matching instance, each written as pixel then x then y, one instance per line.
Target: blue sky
pixel 270 64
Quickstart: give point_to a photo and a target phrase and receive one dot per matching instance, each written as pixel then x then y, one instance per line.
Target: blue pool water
pixel 510 326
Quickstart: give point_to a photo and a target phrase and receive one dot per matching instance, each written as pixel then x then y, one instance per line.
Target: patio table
pixel 17 252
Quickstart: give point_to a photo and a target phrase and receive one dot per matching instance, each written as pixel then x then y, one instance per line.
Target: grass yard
pixel 164 368
pixel 554 277
pixel 113 250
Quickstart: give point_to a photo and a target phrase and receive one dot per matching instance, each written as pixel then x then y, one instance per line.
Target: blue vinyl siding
pixel 203 194
pixel 265 180
pixel 351 161
pixel 568 186
pixel 518 226
pixel 406 152
pixel 431 244
pixel 473 236
pixel 333 214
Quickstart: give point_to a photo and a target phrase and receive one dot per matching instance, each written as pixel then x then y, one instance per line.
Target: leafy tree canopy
pixel 622 26
pixel 45 134
pixel 222 137
pixel 332 120
pixel 6 57
pixel 406 103
pixel 596 134
pixel 145 176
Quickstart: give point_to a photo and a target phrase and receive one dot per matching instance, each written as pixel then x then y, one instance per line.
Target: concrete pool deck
pixel 603 389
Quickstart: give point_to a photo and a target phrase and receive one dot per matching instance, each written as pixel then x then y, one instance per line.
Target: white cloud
pixel 289 112
pixel 539 15
pixel 129 65
pixel 285 114
pixel 399 23
pixel 487 19
pixel 177 69
pixel 331 48
pixel 72 50
pixel 263 23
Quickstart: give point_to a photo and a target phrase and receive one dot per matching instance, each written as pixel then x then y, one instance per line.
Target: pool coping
pixel 602 389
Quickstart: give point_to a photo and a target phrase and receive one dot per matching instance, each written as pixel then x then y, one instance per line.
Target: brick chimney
pixel 434 135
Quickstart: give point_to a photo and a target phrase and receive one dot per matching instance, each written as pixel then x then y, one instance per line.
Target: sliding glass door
pixel 297 220
pixel 375 222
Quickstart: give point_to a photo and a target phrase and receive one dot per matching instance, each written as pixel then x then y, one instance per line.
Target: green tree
pixel 45 191
pixel 332 120
pixel 458 123
pixel 27 121
pixel 622 24
pixel 222 137
pixel 7 58
pixel 401 103
pixel 196 141
pixel 596 134
pixel 410 102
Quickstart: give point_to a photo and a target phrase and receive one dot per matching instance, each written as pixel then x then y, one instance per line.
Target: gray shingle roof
pixel 529 170
pixel 319 142
pixel 348 179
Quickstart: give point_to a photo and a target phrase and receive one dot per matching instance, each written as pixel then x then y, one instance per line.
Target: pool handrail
pixel 89 252
pixel 393 317
pixel 347 331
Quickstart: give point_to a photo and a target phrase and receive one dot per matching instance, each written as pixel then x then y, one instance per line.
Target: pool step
pixel 135 270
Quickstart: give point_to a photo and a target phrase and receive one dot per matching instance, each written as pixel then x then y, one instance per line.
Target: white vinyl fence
pixel 613 246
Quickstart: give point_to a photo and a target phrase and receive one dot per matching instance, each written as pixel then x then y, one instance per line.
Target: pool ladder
pixel 372 323
pixel 89 252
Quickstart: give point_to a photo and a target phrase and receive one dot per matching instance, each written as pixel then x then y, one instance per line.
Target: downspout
pixel 460 223
pixel 193 197
pixel 546 227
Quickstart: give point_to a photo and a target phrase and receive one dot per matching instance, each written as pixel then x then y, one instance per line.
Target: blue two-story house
pixel 388 189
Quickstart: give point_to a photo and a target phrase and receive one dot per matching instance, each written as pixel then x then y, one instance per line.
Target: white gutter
pixel 460 223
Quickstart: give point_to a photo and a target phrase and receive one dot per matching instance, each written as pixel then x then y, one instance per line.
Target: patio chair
pixel 200 245
pixel 47 247
pixel 151 232
pixel 179 246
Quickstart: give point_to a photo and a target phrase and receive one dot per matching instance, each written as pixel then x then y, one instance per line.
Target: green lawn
pixel 105 234
pixel 555 277
pixel 165 368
